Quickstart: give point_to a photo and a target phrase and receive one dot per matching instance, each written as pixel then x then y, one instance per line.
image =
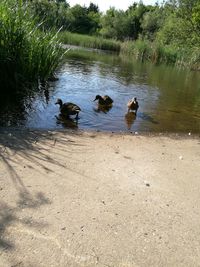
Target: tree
pixel 152 22
pixel 115 24
pixel 135 15
pixel 80 21
pixel 93 8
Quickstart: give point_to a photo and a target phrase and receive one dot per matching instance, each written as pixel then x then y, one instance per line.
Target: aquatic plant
pixel 158 53
pixel 26 52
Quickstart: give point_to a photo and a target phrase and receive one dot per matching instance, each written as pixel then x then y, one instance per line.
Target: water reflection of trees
pixel 159 88
pixel 14 106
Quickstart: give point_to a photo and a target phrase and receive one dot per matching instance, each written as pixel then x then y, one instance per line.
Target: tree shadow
pixel 33 150
pixel 9 214
pixel 24 150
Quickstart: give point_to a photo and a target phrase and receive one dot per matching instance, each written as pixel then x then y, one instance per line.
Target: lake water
pixel 169 98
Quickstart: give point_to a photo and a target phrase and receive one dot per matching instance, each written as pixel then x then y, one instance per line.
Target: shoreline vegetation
pixel 142 50
pixel 32 33
pixel 27 54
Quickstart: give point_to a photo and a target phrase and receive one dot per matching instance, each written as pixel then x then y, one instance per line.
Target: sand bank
pixel 93 199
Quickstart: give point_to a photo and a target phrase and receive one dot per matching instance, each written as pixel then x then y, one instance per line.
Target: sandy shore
pixel 92 199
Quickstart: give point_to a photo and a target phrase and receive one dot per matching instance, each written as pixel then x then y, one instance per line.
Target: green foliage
pixel 114 24
pixel 26 53
pixel 181 26
pixel 152 22
pixel 123 25
pixel 89 41
pixel 52 14
pixel 58 14
pixel 135 14
pixel 167 33
pixel 158 53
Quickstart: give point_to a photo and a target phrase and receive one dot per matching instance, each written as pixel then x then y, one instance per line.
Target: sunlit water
pixel 169 98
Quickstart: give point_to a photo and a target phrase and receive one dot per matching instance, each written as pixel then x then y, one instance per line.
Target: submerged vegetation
pixel 26 52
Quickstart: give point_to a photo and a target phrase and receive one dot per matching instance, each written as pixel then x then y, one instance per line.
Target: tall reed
pixel 26 53
pixel 89 41
pixel 157 53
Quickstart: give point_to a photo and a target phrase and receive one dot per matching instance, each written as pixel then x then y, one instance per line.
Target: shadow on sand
pixel 28 149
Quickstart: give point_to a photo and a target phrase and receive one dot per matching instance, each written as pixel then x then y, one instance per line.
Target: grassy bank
pixel 89 41
pixel 140 50
pixel 157 54
pixel 26 53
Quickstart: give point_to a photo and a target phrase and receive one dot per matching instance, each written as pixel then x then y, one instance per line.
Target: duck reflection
pixel 102 108
pixel 130 118
pixel 66 122
pixel 44 88
pixel 46 95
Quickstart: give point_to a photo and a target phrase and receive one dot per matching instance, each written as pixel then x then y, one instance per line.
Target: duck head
pixel 97 97
pixel 59 102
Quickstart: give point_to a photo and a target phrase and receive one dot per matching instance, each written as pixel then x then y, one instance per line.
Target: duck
pixel 104 100
pixel 67 109
pixel 133 105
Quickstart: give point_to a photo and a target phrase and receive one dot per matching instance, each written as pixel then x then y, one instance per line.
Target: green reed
pixel 26 52
pixel 157 53
pixel 89 41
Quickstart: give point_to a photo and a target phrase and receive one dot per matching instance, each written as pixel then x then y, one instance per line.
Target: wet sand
pixel 99 199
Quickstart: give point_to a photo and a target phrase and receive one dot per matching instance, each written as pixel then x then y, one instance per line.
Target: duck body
pixel 104 100
pixel 68 109
pixel 133 105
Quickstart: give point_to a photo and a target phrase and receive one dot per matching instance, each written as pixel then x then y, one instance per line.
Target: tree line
pixel 174 22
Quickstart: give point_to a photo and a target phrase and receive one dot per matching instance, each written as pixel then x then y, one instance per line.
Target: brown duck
pixel 67 109
pixel 104 100
pixel 133 105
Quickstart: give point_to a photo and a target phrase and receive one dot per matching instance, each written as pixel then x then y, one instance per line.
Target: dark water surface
pixel 169 98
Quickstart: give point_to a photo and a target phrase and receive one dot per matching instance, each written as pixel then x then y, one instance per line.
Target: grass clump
pixel 156 53
pixel 89 41
pixel 26 53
